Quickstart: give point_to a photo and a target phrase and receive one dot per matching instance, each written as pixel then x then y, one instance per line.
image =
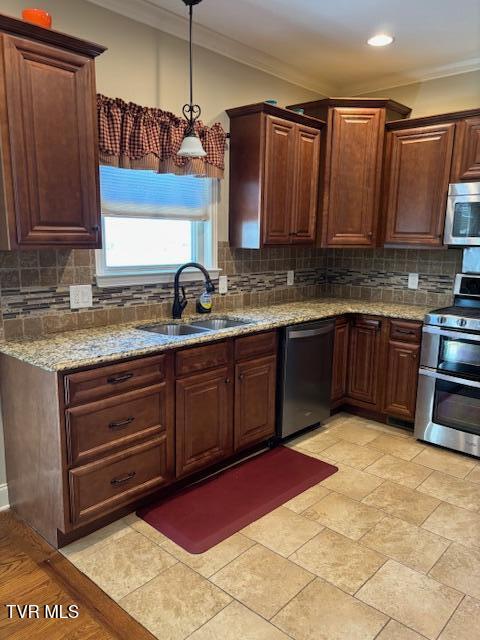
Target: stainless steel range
pixel 448 401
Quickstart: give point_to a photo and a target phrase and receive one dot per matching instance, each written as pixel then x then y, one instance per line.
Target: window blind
pixel 146 194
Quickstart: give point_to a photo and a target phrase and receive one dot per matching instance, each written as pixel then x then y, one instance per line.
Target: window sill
pixel 165 277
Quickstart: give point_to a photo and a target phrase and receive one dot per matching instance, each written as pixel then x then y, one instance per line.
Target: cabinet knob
pixel 95 228
pixel 227 380
pixel 241 376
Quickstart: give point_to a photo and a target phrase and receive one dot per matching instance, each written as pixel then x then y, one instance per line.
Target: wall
pixel 452 93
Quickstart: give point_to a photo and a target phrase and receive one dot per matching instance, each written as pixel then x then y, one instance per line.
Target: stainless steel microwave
pixel 462 221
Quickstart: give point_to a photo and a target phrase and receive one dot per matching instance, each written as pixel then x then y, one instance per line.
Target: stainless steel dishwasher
pixel 305 376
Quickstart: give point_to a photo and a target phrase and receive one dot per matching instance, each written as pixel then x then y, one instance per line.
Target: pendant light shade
pixel 191 146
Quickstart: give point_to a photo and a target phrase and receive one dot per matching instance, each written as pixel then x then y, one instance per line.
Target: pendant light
pixel 191 145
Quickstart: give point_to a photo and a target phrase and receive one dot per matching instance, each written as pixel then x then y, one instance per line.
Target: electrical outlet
pixel 413 280
pixel 222 284
pixel 290 278
pixel 81 296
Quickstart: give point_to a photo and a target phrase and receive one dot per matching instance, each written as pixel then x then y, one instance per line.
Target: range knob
pixel 462 322
pixel 442 319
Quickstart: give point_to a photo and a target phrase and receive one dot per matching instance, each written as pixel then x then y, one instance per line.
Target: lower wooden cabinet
pixel 364 357
pixel 340 360
pixel 203 422
pixel 401 379
pixel 254 401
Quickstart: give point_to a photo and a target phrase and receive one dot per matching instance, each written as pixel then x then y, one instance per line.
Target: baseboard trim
pixel 4 504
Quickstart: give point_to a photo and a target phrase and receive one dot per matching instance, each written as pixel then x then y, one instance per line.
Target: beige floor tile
pixel 282 531
pixel 403 472
pixel 344 515
pixel 453 490
pixel 379 427
pixel 262 580
pixel 176 603
pixel 450 463
pixel 454 523
pixel 353 431
pixel 474 475
pixel 400 501
pixel 459 567
pixel 338 560
pixel 146 529
pixel 95 540
pixel 125 564
pixel 396 631
pixel 406 543
pixel 307 498
pixel 352 482
pixel 415 600
pixel 313 442
pixel 464 622
pixel 352 454
pixel 404 448
pixel 323 612
pixel 215 558
pixel 236 622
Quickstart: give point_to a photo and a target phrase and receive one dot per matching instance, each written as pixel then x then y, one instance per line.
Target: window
pixel 152 223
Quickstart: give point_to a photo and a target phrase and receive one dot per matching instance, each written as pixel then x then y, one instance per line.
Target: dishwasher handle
pixel 308 333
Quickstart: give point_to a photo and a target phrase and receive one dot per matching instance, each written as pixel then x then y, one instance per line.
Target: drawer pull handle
pixel 121 423
pixel 408 332
pixel 121 378
pixel 117 481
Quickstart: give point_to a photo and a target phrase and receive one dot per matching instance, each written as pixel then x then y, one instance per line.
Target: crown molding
pixel 169 22
pixel 413 76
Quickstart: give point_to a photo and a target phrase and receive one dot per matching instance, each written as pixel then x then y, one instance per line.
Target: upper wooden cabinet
pixel 351 167
pixel 49 194
pixel 466 158
pixel 417 173
pixel 274 166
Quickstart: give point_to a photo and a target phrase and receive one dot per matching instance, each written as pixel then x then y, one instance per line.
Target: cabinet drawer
pixel 368 322
pixel 93 384
pixel 256 345
pixel 405 331
pixel 97 428
pixel 199 358
pixel 104 485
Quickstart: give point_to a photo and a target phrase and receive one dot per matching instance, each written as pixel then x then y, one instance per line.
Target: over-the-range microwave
pixel 462 221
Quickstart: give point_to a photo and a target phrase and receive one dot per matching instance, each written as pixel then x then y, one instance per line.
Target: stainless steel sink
pixel 173 329
pixel 214 324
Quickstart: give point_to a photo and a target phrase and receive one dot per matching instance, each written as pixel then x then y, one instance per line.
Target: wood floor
pixel 32 572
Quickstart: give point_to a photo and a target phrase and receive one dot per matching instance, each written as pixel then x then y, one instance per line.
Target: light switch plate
pixel 81 296
pixel 413 280
pixel 290 278
pixel 222 284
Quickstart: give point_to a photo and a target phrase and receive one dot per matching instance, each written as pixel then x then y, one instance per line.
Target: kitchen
pixel 332 230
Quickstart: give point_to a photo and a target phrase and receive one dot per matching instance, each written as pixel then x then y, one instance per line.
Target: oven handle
pixel 452 334
pixel 442 376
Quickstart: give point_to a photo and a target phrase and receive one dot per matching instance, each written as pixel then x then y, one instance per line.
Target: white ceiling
pixel 322 44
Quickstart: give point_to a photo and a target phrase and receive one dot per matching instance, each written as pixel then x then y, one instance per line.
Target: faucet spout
pixel 180 302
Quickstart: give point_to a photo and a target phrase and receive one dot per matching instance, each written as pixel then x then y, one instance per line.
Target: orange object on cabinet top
pixel 37 16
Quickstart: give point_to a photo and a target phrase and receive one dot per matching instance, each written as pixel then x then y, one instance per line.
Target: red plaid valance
pixel 135 137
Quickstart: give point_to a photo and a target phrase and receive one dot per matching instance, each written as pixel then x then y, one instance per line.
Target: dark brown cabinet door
pixel 353 177
pixel 364 362
pixel 401 382
pixel 340 360
pixel 418 171
pixel 307 158
pixel 254 401
pixel 204 432
pixel 278 180
pixel 466 163
pixel 49 110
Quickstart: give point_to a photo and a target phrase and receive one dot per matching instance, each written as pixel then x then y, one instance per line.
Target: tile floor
pixel 387 548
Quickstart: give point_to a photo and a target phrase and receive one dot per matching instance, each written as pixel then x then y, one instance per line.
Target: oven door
pixel 453 352
pixel 448 411
pixel 462 220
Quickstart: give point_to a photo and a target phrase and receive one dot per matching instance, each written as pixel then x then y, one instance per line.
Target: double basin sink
pixel 191 328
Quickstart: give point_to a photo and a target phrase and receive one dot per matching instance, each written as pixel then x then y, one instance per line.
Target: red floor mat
pixel 201 516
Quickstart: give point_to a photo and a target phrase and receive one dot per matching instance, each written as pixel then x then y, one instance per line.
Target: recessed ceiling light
pixel 380 40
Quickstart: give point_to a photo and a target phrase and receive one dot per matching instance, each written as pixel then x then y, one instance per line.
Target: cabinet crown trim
pixel 279 112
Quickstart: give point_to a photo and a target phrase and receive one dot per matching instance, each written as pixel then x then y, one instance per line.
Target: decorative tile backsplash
pixel 35 284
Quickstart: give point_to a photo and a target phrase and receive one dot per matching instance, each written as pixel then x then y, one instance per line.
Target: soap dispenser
pixel 204 300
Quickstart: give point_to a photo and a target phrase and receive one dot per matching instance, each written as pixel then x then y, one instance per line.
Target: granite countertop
pixel 88 347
